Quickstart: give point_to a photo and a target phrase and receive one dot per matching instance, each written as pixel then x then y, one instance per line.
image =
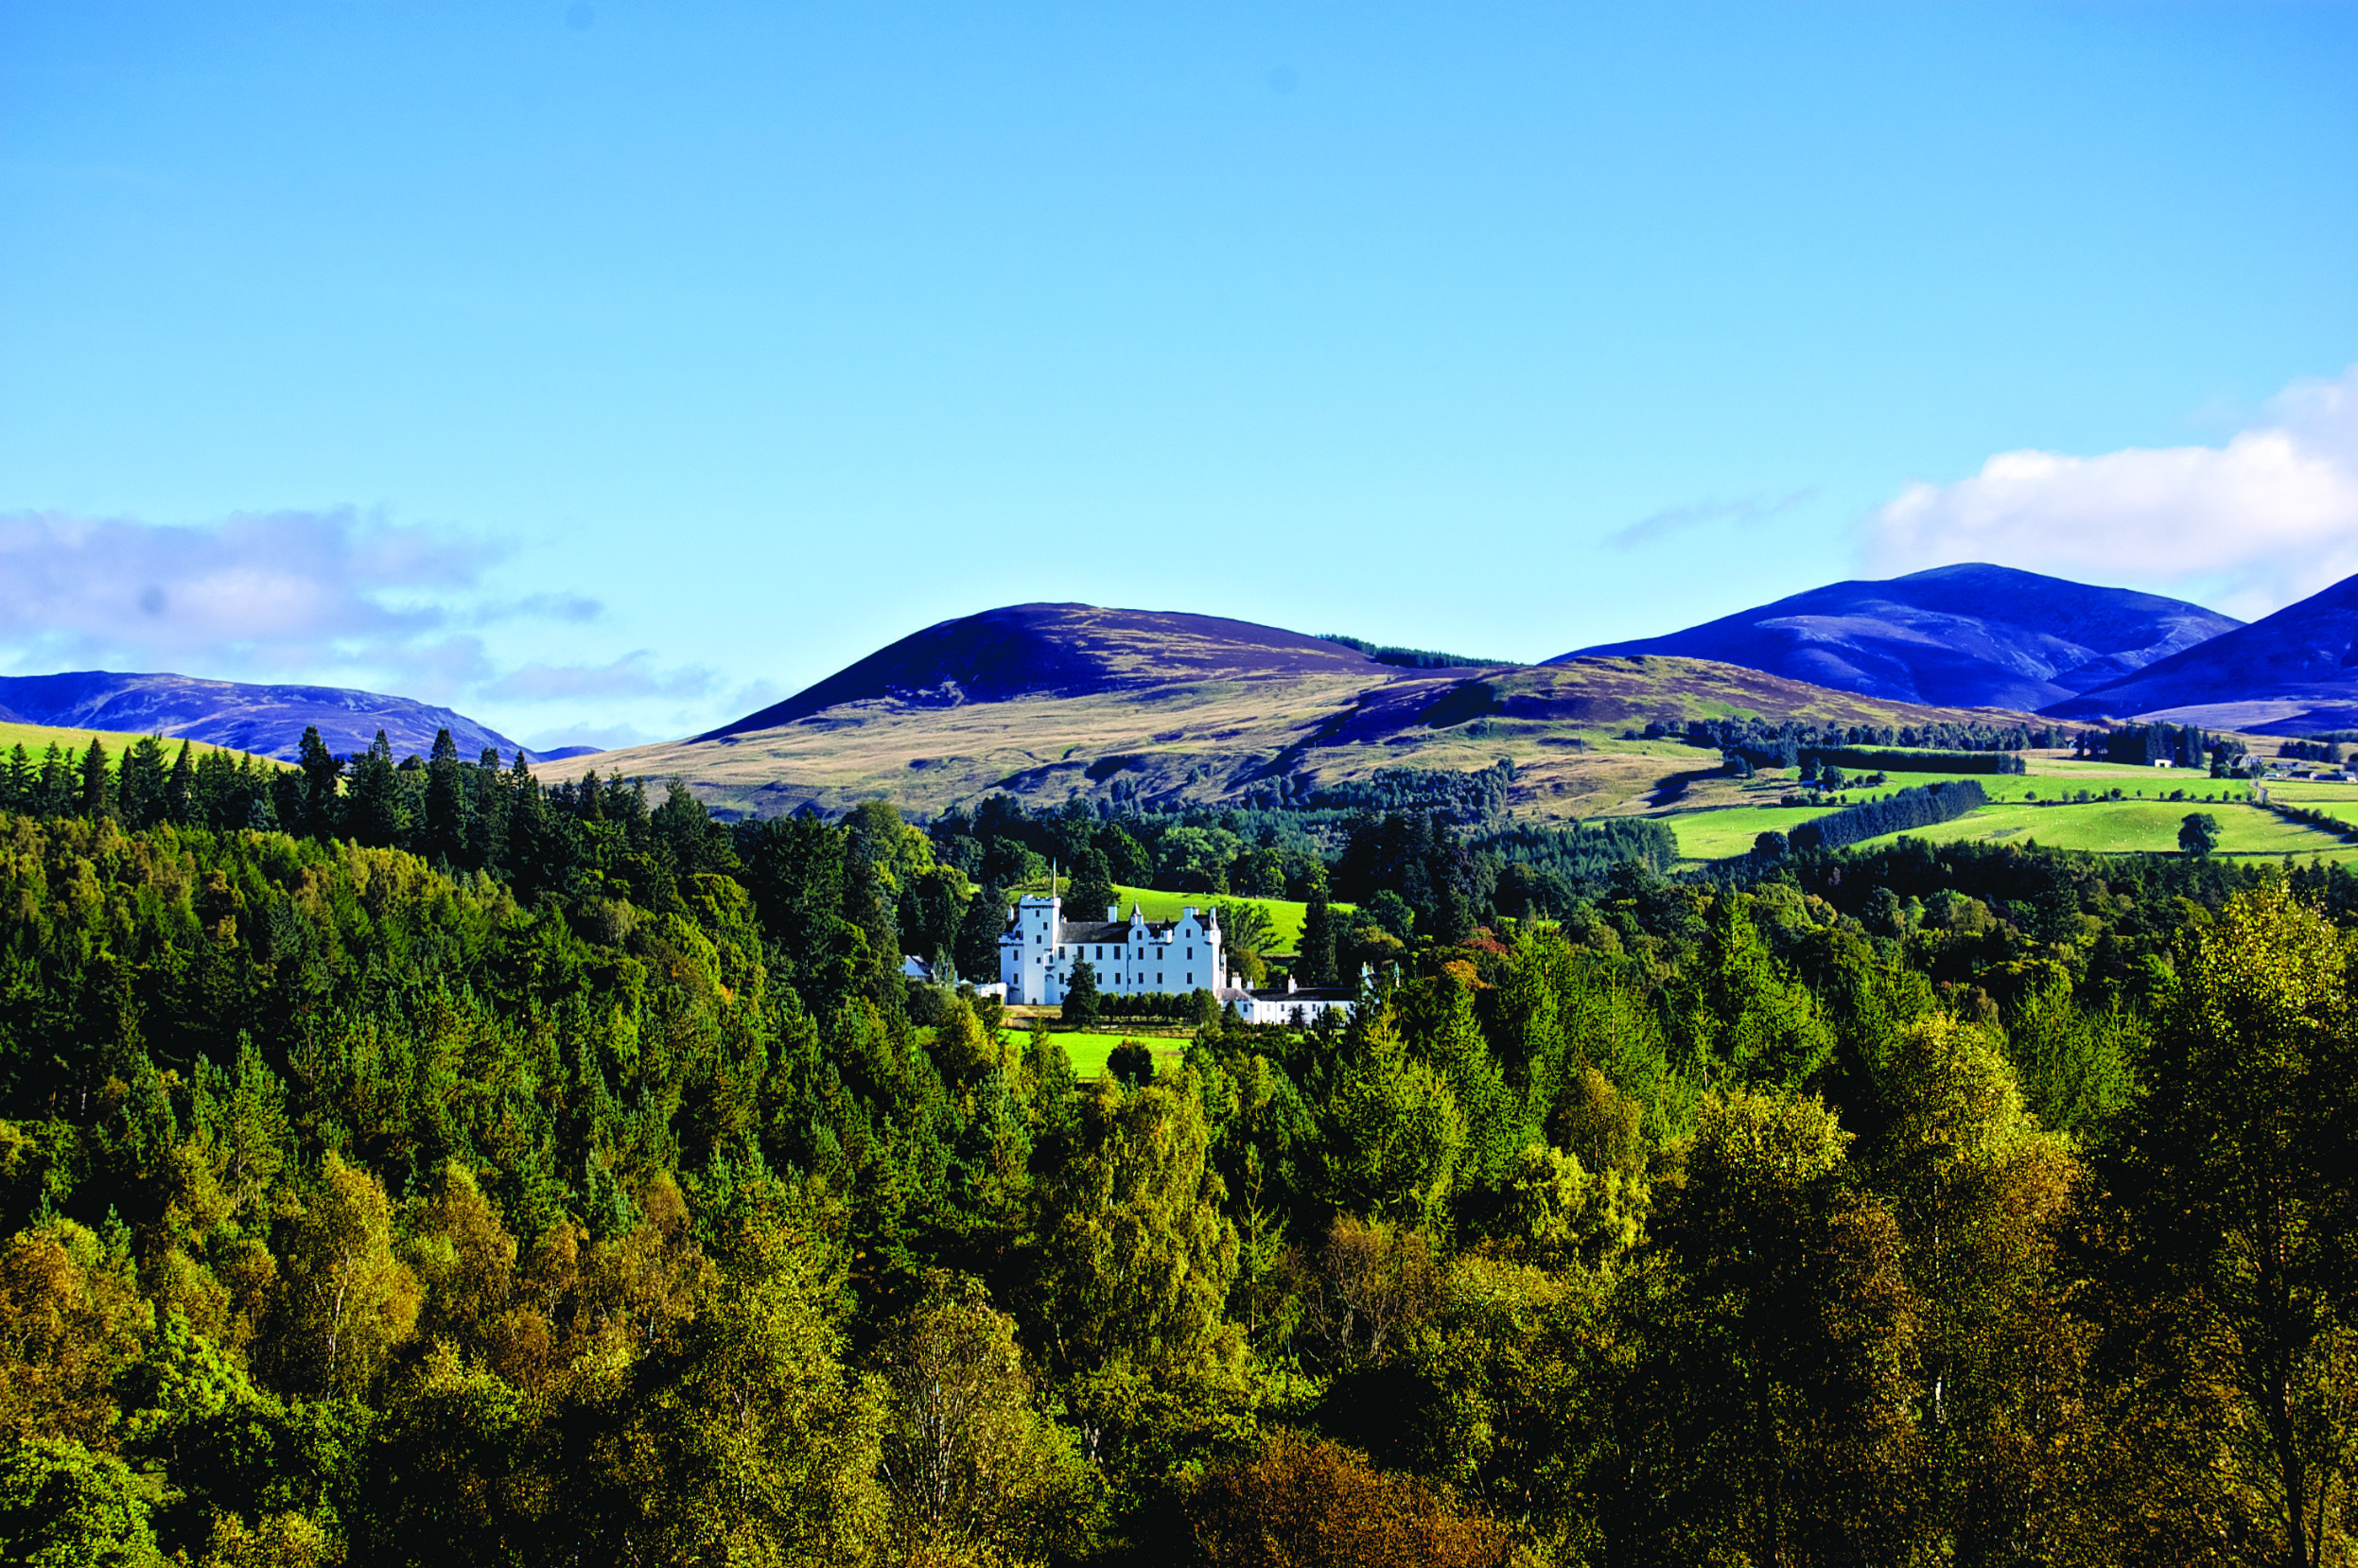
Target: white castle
pixel 1136 957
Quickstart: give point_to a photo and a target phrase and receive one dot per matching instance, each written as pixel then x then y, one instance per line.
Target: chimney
pixel 1113 914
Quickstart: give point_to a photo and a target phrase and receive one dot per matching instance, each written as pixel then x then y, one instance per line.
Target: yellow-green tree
pixel 740 1439
pixel 2239 1172
pixel 974 1469
pixel 71 1319
pixel 347 1299
pixel 1981 1192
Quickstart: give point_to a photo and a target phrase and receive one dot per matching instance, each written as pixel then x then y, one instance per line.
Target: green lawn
pixel 2131 826
pixel 1089 1050
pixel 1285 914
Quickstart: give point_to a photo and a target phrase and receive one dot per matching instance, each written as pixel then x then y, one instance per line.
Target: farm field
pixel 2334 800
pixel 1716 835
pixel 2133 827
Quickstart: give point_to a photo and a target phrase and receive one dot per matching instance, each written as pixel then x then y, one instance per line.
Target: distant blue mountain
pixel 2294 672
pixel 1972 635
pixel 266 719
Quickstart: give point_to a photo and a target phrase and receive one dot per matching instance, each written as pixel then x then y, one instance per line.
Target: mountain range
pixel 1054 701
pixel 1971 635
pixel 1057 702
pixel 268 721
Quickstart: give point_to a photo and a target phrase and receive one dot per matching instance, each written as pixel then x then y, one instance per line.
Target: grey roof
pixel 1096 930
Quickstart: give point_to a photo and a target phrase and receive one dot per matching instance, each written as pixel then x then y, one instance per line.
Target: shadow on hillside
pixel 1673 787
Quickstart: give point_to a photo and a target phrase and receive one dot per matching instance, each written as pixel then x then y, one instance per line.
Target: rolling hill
pixel 1057 702
pixel 1063 651
pixel 2294 672
pixel 1971 635
pixel 264 720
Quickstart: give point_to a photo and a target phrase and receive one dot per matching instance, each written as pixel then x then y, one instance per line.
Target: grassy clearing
pixel 2133 827
pixel 1089 1050
pixel 1716 835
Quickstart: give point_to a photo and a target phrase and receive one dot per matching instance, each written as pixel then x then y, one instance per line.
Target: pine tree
pixel 445 804
pixel 96 798
pixel 322 772
pixel 180 790
pixel 1315 964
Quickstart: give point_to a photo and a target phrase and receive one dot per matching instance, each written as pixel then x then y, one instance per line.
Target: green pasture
pixel 1711 834
pixel 2334 800
pixel 2148 783
pixel 2066 766
pixel 1714 835
pixel 2132 826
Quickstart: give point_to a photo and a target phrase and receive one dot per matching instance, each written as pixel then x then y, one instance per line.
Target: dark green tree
pixel 140 787
pixel 446 838
pixel 378 815
pixel 1081 994
pixel 1092 893
pixel 180 789
pixel 97 795
pixel 1314 963
pixel 2198 835
pixel 323 773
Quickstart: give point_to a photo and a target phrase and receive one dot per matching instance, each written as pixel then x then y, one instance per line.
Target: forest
pixel 405 1162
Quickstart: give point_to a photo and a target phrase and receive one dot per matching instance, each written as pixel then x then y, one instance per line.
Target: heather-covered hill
pixel 1064 650
pixel 2294 672
pixel 1970 636
pixel 1049 703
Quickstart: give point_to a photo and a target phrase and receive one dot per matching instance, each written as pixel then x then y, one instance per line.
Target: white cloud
pixel 2269 517
pixel 325 596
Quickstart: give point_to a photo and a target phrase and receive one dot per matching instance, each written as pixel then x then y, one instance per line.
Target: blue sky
pixel 608 369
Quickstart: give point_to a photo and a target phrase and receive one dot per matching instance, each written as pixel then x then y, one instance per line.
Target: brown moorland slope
pixel 1049 703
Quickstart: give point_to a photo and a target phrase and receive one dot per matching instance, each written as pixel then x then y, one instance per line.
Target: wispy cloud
pixel 2268 518
pixel 633 675
pixel 1676 519
pixel 266 595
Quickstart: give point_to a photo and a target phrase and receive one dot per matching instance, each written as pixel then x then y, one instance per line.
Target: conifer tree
pixel 1315 965
pixel 97 795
